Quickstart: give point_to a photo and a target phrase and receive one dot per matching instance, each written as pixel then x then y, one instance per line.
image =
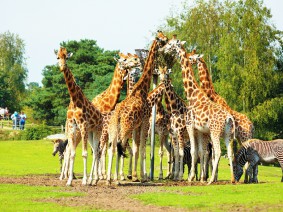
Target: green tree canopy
pixel 243 52
pixel 93 68
pixel 13 71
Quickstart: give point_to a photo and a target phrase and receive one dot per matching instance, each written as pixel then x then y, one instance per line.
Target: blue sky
pixel 116 25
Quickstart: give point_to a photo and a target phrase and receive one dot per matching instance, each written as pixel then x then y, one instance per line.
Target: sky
pixel 123 25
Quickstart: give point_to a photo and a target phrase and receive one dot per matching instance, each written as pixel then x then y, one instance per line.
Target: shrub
pixel 37 132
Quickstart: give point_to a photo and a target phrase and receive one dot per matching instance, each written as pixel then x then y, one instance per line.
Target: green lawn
pixel 22 158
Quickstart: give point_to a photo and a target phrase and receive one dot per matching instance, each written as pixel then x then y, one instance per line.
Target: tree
pixel 243 51
pixel 13 72
pixel 93 68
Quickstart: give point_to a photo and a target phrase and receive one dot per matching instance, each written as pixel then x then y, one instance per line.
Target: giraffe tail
pixel 233 127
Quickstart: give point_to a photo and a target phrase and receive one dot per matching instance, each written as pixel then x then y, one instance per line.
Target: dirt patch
pixel 114 197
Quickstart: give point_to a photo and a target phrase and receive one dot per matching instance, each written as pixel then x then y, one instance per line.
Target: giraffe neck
pixel 174 103
pixel 205 79
pixel 155 95
pixel 131 81
pixel 73 88
pixel 107 100
pixel 159 106
pixel 207 85
pixel 143 84
pixel 193 92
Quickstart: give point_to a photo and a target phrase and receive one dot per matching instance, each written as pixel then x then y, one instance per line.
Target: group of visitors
pixel 19 120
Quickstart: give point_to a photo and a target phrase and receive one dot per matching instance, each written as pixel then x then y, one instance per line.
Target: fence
pixel 8 124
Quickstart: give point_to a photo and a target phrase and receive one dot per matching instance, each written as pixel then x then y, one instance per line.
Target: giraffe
pixel 177 108
pixel 244 127
pixel 131 80
pixel 205 116
pixel 106 101
pixel 162 122
pixel 132 116
pixel 134 69
pixel 84 115
pixel 154 97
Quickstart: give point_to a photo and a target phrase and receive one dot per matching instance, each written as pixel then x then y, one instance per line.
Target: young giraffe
pixel 107 100
pixel 162 121
pixel 206 116
pixel 132 115
pixel 84 116
pixel 177 109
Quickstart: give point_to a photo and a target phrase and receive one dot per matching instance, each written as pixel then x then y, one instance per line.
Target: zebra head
pixel 239 162
pixel 238 171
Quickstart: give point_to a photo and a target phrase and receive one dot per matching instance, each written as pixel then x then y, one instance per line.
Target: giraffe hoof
pixel 135 179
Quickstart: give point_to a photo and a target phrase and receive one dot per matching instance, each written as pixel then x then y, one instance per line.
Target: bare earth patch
pixel 114 197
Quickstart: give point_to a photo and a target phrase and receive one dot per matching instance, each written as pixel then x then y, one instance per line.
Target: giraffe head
pixel 161 39
pixel 195 58
pixel 164 74
pixel 173 46
pixel 128 63
pixel 62 56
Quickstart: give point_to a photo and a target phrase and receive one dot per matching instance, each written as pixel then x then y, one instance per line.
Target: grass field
pixel 24 159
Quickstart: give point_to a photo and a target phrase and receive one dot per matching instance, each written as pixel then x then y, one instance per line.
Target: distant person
pixel 23 118
pixel 14 118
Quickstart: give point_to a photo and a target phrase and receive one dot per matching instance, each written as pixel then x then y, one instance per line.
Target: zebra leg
pixel 255 173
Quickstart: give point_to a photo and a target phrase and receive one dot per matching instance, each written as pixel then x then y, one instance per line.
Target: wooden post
pixel 152 137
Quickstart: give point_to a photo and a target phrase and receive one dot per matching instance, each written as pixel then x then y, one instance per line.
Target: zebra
pixel 255 151
pixel 60 147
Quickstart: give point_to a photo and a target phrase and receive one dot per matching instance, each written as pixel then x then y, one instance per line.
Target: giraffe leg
pixel 161 138
pixel 122 176
pixel 71 167
pixel 181 153
pixel 136 144
pixel 144 135
pixel 84 155
pixel 110 161
pixel 168 148
pixel 65 166
pixel 201 154
pixel 181 166
pixel 193 152
pixel 217 153
pixel 129 176
pixel 93 138
pixel 91 142
pixel 176 161
pixel 230 157
pixel 246 180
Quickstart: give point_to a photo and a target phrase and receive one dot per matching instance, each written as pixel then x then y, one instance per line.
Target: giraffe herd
pixel 203 118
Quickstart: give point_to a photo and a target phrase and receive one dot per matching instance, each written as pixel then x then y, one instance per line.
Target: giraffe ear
pixel 69 55
pixel 55 51
pixel 183 42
